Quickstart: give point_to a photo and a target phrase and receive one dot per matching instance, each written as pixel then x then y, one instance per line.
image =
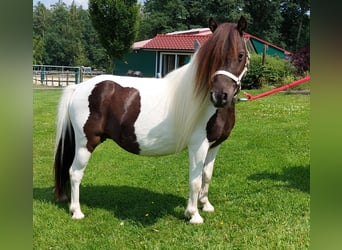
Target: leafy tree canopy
pixel 282 22
pixel 116 22
pixel 71 36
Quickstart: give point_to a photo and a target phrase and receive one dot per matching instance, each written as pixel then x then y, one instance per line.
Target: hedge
pixel 274 72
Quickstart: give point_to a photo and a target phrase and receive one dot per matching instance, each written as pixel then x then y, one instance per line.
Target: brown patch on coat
pixel 220 125
pixel 113 111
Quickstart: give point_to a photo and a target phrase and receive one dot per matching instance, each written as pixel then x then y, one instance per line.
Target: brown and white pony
pixel 191 107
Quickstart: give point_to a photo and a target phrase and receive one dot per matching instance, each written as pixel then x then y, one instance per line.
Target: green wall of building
pixel 259 46
pixel 148 61
pixel 138 60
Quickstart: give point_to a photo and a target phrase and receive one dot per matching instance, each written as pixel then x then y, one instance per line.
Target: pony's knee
pixel 207 174
pixel 196 184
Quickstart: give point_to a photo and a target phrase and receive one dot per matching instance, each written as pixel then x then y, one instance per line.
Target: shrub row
pixel 274 72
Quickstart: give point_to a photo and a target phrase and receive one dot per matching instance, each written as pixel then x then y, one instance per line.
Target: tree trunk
pixel 298 34
pixel 264 51
pixel 112 65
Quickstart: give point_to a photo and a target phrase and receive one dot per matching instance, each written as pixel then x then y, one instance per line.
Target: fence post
pixel 42 74
pixel 76 76
pixel 81 73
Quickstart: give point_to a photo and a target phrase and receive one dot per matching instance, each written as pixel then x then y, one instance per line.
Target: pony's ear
pixel 212 24
pixel 242 25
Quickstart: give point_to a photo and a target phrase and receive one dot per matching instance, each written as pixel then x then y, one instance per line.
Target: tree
pixel 296 24
pixel 265 20
pixel 38 50
pixel 64 35
pixel 160 16
pixel 40 20
pixel 63 39
pixel 75 24
pixel 116 22
pixel 93 50
pixel 224 10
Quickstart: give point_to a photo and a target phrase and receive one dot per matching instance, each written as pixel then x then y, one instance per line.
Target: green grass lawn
pixel 260 187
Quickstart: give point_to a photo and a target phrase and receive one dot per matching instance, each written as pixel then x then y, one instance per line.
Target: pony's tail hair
pixel 64 146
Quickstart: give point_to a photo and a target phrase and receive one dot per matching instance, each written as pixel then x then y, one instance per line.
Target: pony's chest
pixel 220 125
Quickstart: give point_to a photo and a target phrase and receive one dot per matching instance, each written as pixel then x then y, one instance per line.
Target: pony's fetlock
pixel 207 207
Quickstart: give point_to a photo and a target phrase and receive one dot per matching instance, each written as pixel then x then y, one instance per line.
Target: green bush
pixel 275 72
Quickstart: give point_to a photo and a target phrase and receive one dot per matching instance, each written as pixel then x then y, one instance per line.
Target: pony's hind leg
pixel 206 178
pixel 76 172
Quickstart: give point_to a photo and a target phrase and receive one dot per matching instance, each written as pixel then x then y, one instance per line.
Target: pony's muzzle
pixel 219 100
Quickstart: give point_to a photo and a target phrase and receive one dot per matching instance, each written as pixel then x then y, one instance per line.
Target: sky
pixel 47 3
pixel 83 3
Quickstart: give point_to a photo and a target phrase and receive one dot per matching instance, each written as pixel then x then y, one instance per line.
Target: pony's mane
pixel 214 54
pixel 185 106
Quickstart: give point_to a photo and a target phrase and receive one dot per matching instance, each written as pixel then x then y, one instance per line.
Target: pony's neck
pixel 186 106
pixel 183 80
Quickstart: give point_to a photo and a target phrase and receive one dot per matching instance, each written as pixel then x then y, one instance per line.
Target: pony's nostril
pixel 219 99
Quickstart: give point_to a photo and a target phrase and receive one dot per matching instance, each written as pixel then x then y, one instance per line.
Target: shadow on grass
pixel 139 205
pixel 294 177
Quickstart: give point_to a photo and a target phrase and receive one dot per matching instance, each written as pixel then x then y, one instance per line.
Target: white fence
pixel 50 75
pixel 59 76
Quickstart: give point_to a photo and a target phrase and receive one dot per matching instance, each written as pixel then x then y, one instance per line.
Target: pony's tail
pixel 64 146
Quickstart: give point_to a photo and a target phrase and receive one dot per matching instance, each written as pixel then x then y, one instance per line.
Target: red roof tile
pixel 175 42
pixel 140 44
pixel 185 40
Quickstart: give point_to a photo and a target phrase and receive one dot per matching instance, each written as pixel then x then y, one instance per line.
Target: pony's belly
pixel 151 146
pixel 155 136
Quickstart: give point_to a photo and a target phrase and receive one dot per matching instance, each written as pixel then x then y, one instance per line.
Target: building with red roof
pixel 165 52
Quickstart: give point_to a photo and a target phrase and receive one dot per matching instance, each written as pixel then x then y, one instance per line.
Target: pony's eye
pixel 241 54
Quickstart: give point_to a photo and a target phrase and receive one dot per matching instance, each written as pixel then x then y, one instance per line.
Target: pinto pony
pixel 191 107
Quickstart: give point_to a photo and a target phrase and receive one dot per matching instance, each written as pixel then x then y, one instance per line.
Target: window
pixel 170 62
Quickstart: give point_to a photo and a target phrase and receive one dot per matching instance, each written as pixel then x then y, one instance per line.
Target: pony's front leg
pixel 197 154
pixel 76 173
pixel 206 177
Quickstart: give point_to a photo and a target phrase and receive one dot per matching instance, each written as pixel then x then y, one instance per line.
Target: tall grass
pixel 260 188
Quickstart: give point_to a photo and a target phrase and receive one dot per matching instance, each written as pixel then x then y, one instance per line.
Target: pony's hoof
pixel 77 215
pixel 196 219
pixel 207 207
